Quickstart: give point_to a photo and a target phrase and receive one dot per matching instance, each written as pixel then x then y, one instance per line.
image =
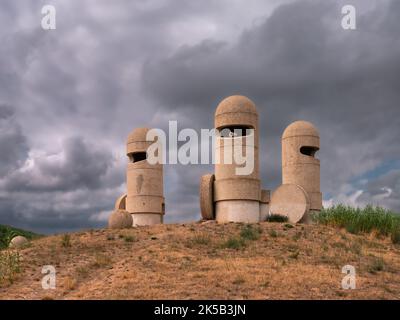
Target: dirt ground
pixel 196 261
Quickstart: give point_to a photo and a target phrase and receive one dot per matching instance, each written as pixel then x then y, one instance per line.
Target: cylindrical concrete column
pixel 145 191
pixel 300 142
pixel 237 196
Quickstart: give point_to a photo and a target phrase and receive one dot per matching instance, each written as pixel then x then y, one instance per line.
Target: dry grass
pixel 210 261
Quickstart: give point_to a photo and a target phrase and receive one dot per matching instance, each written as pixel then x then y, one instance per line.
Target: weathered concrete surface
pixel 236 196
pixel 120 219
pixel 291 201
pixel 300 142
pixel 145 186
pixel 207 197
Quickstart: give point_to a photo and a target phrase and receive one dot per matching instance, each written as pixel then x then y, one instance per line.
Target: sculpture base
pixel 146 219
pixel 246 211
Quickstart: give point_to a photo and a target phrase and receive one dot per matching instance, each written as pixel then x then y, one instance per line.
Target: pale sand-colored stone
pixel 245 211
pixel 146 219
pixel 145 186
pixel 301 168
pixel 120 204
pixel 291 201
pixel 237 197
pixel 207 197
pixel 120 219
pixel 264 204
pixel 18 242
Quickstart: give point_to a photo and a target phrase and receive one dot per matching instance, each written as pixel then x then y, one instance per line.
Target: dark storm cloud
pixel 80 166
pixel 13 144
pixel 300 64
pixel 70 96
pixel 384 190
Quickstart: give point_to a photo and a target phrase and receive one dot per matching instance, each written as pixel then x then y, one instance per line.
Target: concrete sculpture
pixel 236 198
pixel 144 200
pixel 145 190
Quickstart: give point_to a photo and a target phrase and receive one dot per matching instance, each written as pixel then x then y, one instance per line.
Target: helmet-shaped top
pixel 300 129
pixel 236 111
pixel 136 142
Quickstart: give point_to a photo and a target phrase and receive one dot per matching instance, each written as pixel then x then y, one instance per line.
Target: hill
pixel 208 261
pixel 7 233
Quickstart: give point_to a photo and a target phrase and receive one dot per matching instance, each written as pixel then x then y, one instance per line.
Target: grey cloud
pixel 300 64
pixel 81 165
pixel 112 66
pixel 13 144
pixel 385 190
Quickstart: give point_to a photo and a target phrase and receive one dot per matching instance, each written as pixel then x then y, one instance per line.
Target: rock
pixel 120 219
pixel 18 242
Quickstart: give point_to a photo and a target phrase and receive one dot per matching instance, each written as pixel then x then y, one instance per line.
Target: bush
pixel 377 265
pixel 277 218
pixel 234 243
pixel 395 236
pixel 201 239
pixel 366 220
pixel 66 241
pixel 9 266
pixel 250 233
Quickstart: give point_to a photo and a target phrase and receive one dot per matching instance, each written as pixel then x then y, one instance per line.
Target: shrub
pixel 129 239
pixel 377 265
pixel 273 234
pixel 277 218
pixel 395 236
pixel 201 239
pixel 234 243
pixel 9 266
pixel 66 241
pixel 357 220
pixel 250 233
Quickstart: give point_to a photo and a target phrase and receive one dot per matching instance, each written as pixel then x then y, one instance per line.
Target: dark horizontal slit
pixel 137 156
pixel 309 151
pixel 234 131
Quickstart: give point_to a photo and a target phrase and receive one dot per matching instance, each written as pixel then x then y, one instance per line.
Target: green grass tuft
pixel 9 266
pixel 250 233
pixel 277 218
pixel 366 220
pixel 234 243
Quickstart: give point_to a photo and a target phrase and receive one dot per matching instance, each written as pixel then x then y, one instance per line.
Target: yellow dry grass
pixel 192 261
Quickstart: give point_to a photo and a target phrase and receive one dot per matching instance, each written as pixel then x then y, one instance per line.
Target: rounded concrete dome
pixel 120 219
pixel 300 128
pixel 18 242
pixel 236 104
pixel 138 135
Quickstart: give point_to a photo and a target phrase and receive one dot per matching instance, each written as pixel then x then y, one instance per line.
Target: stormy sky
pixel 70 96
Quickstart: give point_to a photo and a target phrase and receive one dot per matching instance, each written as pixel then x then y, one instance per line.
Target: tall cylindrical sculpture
pixel 300 142
pixel 237 196
pixel 145 192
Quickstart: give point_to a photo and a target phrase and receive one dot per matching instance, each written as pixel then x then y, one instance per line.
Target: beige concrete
pixel 207 197
pixel 237 197
pixel 300 141
pixel 307 219
pixel 245 211
pixel 146 219
pixel 18 242
pixel 264 204
pixel 291 201
pixel 120 204
pixel 120 219
pixel 145 190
